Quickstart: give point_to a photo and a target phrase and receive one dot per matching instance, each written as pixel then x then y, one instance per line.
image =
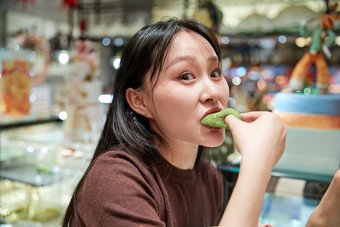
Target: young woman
pixel 146 169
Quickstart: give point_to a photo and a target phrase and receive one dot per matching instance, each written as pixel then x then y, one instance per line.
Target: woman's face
pixel 189 87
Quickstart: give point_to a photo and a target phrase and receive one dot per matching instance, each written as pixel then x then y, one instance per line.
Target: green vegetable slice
pixel 216 120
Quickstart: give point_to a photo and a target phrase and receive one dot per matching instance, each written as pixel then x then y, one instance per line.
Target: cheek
pixel 225 92
pixel 174 109
pixel 173 103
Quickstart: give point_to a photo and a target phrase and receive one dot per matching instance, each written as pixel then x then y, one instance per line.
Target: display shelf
pixel 36 179
pixel 31 174
pixel 286 173
pixel 10 123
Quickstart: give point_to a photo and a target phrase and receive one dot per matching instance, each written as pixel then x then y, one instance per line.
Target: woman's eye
pixel 216 73
pixel 186 76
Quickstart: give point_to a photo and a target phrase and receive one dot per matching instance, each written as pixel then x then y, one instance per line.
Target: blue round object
pixel 328 104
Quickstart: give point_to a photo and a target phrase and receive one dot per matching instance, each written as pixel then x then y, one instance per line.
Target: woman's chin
pixel 214 142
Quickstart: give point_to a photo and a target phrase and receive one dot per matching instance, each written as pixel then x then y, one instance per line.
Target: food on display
pixel 16 87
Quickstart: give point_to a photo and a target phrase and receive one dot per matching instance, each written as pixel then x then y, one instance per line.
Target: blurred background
pixel 58 61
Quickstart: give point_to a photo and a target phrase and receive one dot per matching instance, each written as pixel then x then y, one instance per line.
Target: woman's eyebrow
pixel 180 59
pixel 188 58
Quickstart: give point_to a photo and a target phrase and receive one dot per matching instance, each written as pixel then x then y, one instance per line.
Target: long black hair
pixel 124 129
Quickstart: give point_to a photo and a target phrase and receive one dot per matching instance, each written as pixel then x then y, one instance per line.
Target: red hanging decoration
pixel 69 3
pixel 83 26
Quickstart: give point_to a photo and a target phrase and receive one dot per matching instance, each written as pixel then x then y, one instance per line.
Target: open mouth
pixel 212 110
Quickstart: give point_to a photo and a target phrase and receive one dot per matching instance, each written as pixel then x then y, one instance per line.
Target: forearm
pixel 328 210
pixel 244 206
pixel 260 138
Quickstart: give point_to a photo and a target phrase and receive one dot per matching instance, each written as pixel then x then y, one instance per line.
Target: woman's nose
pixel 210 91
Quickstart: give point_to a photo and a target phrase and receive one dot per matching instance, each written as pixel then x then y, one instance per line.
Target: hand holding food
pixel 259 137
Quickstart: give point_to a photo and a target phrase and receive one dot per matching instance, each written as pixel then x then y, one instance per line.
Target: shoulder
pixel 117 157
pixel 118 187
pixel 116 166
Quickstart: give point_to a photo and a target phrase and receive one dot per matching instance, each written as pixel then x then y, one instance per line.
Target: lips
pixel 212 110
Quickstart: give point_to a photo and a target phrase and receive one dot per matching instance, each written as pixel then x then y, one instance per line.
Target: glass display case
pixel 37 172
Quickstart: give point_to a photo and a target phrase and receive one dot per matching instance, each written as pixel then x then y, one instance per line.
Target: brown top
pixel 120 191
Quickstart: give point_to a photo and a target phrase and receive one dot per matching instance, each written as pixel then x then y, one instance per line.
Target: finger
pixel 232 121
pixel 252 116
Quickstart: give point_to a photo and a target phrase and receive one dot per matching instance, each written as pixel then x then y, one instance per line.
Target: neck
pixel 180 155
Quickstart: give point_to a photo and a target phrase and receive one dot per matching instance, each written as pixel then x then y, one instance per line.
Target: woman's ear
pixel 136 101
